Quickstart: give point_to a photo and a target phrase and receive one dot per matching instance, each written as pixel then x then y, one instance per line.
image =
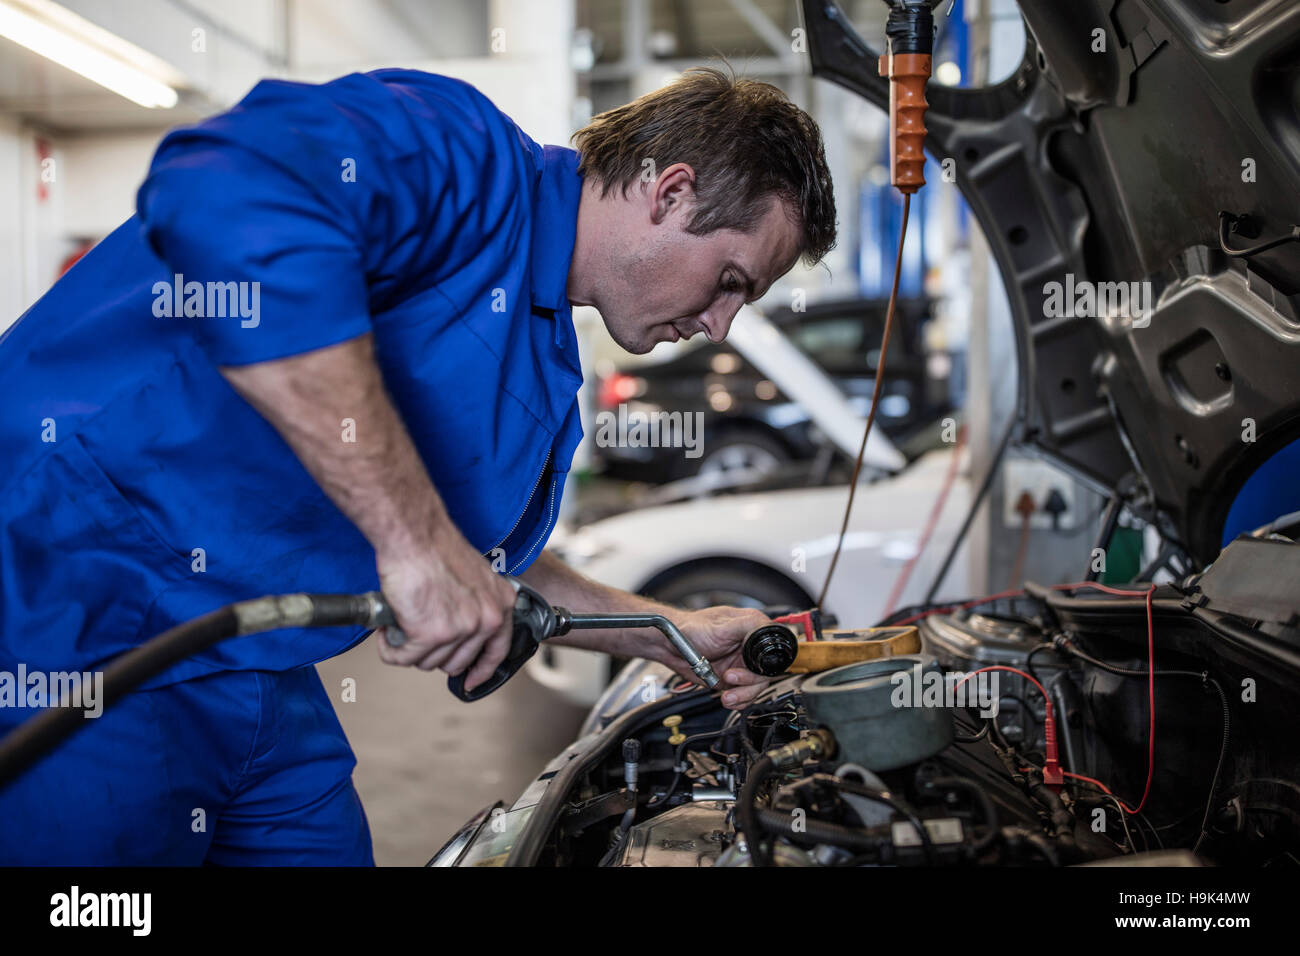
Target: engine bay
pixel 1030 730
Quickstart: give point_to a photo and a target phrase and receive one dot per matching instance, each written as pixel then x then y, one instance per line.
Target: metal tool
pixel 535 620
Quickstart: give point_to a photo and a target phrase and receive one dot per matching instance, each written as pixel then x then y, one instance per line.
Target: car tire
pixel 747 448
pixel 720 582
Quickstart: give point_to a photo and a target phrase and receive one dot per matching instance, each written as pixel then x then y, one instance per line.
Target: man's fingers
pixel 387 653
pixel 743 686
pixel 736 698
pixel 494 652
pixel 435 658
pixel 463 655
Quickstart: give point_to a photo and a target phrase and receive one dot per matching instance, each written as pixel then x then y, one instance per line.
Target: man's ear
pixel 673 191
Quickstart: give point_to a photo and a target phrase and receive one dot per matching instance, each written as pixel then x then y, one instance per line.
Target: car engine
pixel 885 762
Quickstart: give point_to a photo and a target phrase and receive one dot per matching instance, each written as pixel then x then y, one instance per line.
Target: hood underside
pixel 1091 170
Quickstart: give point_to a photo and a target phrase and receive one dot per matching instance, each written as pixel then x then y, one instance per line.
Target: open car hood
pixel 1086 168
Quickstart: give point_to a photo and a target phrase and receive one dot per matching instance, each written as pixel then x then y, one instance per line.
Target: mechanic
pixel 333 351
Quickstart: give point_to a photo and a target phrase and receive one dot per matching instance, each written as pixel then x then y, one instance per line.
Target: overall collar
pixel 555 228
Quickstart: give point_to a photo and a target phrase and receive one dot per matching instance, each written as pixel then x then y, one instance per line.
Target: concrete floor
pixel 427 762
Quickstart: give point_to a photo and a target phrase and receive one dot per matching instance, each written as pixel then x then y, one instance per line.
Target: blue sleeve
pixel 320 202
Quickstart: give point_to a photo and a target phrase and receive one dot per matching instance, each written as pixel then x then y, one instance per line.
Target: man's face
pixel 666 284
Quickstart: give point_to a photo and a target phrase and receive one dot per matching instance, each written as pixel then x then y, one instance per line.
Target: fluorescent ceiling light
pixel 58 34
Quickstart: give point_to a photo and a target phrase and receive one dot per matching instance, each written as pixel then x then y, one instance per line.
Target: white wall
pixel 102 174
pixel 32 242
pixel 13 250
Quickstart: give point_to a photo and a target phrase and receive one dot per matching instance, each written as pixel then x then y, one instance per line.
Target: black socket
pixel 770 650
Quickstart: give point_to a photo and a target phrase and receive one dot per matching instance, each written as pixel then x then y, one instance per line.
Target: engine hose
pixel 747 809
pixel 33 739
pixel 981 797
pixel 1061 818
pixel 861 790
pixel 820 831
pixel 625 825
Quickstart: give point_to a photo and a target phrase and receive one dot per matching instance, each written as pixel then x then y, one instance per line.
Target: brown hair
pixel 745 140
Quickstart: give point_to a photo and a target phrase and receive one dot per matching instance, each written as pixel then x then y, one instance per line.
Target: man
pixel 334 351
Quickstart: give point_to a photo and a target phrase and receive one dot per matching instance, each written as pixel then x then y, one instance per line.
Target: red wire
pixel 1014 670
pixel 1052 772
pixel 930 524
pixel 1151 667
pixel 1151 682
pixel 958 607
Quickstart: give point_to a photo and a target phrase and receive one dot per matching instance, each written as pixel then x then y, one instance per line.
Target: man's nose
pixel 717 322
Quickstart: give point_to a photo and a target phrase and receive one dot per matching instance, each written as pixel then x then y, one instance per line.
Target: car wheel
pixel 723 584
pixel 743 451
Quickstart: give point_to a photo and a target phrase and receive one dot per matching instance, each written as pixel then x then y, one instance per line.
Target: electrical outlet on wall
pixel 1051 489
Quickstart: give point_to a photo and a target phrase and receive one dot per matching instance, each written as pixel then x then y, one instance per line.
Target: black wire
pixel 1029 660
pixel 677 763
pixel 871 793
pixel 973 738
pixel 1003 443
pixel 1223 752
pixel 1227 220
pixel 1206 679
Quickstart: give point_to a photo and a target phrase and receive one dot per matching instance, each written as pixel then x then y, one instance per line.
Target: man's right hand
pixel 454 610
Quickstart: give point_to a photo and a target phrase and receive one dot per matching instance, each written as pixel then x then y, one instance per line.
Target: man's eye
pixel 729 284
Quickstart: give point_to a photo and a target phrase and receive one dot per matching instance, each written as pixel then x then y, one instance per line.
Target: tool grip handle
pixel 533 621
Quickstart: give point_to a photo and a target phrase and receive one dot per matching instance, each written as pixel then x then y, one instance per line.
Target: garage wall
pixel 103 173
pixel 32 243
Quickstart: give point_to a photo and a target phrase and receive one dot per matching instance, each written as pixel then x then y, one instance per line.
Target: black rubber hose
pixel 747 809
pixel 821 831
pixel 31 740
pixel 1062 819
pixel 862 790
pixel 987 810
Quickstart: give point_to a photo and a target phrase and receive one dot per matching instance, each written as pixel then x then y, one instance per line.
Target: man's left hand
pixel 718 633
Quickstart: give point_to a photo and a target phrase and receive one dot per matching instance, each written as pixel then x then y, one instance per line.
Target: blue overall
pixel 138 490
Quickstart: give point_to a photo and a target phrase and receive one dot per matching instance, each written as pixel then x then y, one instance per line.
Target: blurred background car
pixel 752 424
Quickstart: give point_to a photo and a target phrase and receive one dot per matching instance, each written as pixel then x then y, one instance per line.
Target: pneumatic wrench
pixel 535 620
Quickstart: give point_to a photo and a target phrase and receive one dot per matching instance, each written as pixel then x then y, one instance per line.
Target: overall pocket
pixel 79 565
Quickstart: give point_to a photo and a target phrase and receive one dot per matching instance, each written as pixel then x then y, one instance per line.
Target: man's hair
pixel 745 140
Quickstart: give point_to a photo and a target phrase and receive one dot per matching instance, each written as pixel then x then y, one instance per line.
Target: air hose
pixel 36 737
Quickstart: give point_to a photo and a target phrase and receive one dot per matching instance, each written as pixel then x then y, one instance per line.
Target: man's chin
pixel 639 345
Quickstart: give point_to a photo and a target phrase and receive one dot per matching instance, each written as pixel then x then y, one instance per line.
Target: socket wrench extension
pixel 535 620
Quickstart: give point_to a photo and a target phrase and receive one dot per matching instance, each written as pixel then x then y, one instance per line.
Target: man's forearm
pixel 378 479
pixel 560 584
